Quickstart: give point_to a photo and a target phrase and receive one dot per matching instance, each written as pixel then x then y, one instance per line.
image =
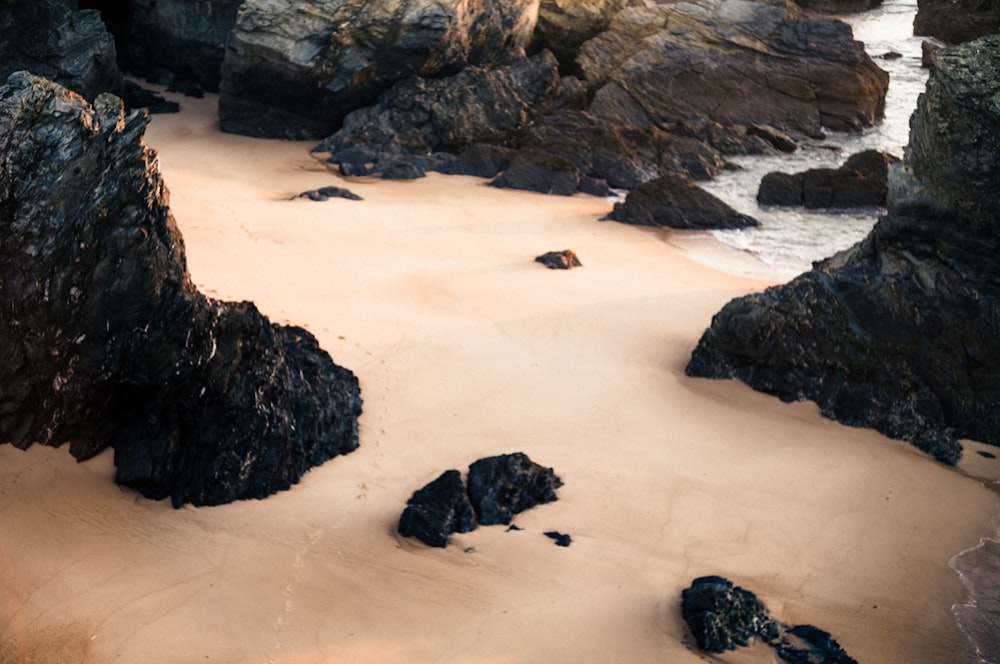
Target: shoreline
pixel 465 348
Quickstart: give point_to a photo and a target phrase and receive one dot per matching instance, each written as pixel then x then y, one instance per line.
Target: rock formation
pixel 533 170
pixel 899 332
pixel 563 25
pixel 295 70
pixel 861 181
pixel 723 616
pixel 957 21
pixel 673 201
pixel 437 510
pixel 559 260
pixel 682 66
pixel 838 6
pixel 106 342
pixel 51 39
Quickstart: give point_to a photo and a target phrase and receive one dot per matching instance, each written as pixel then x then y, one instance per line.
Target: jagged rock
pixel 295 70
pixel 733 140
pixel 956 21
pixel 735 62
pixel 532 170
pixel 559 260
pixel 420 116
pixel 502 486
pixel 674 201
pixel 899 332
pixel 862 181
pixel 326 193
pixel 722 616
pixel 53 40
pixel 187 39
pixel 624 156
pixel 106 341
pixel 779 140
pixel 439 509
pixel 563 25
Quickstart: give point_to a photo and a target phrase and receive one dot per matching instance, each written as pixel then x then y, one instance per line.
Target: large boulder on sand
pixel 295 70
pixel 673 201
pixel 683 66
pixel 106 341
pixel 899 333
pixel 957 21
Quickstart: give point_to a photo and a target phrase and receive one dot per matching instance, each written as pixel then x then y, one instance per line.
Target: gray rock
pixel 106 341
pixel 532 170
pixel 956 21
pixel 673 201
pixel 861 181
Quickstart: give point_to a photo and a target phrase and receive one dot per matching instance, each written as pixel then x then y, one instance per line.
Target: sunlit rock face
pixel 899 333
pixel 107 343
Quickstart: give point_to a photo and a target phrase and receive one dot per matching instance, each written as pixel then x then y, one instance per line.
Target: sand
pixel 465 348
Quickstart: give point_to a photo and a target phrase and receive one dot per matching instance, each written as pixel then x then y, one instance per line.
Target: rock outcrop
pixel 899 332
pixel 53 40
pixel 673 201
pixel 563 25
pixel 106 342
pixel 723 616
pixel 295 70
pixel 437 510
pixel 861 181
pixel 683 66
pixel 957 21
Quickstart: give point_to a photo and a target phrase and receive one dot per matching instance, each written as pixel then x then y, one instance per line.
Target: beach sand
pixel 467 348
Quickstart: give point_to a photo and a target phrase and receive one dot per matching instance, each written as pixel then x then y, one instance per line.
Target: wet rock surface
pixel 956 21
pixel 898 333
pixel 862 181
pixel 109 344
pixel 673 201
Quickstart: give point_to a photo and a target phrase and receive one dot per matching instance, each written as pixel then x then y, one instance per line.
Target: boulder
pixel 956 21
pixel 51 39
pixel 673 201
pixel 862 181
pixel 899 332
pixel 735 62
pixel 106 340
pixel 326 193
pixel 563 25
pixel 481 160
pixel 437 510
pixel 838 6
pixel 559 260
pixel 295 70
pixel 505 485
pixel 532 170
pixel 186 39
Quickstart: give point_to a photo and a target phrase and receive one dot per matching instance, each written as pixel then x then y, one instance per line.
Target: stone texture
pixel 673 201
pixel 295 70
pixel 532 170
pixel 861 181
pixel 559 260
pixel 957 21
pixel 563 25
pixel 437 510
pixel 899 332
pixel 505 485
pixel 106 341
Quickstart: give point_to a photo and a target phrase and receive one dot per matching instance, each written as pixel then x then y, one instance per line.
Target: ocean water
pixel 789 240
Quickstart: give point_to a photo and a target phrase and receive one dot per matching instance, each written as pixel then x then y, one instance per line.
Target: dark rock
pixel 439 509
pixel 779 140
pixel 419 116
pixel 135 96
pixel 563 26
pixel 891 55
pixel 595 187
pixel 513 527
pixel 502 486
pixel 735 63
pixel 532 170
pixel 560 538
pixel 401 168
pixel 559 260
pixel 722 616
pixel 354 161
pixel 326 193
pixel 106 340
pixel 806 644
pixel 481 160
pixel 987 455
pixel 732 140
pixel 676 202
pixel 927 49
pixel 838 6
pixel 295 70
pixel 862 181
pixel 956 21
pixel 186 39
pixel 899 332
pixel 52 40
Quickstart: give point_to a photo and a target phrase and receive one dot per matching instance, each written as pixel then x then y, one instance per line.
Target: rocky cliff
pixel 957 21
pixel 900 332
pixel 105 340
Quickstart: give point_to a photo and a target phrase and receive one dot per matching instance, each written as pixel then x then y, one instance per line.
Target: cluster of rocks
pixel 496 489
pixel 106 342
pixel 723 616
pixel 861 181
pixel 899 332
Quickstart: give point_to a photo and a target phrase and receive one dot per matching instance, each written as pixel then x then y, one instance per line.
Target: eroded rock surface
pixel 437 510
pixel 106 342
pixel 861 181
pixel 899 332
pixel 673 201
pixel 502 486
pixel 957 21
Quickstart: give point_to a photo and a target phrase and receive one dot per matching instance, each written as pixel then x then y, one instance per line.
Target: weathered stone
pixel 674 201
pixel 862 181
pixel 734 62
pixel 563 25
pixel 957 21
pixel 505 485
pixel 899 332
pixel 559 260
pixel 532 170
pixel 807 644
pixel 927 49
pixel 295 70
pixel 326 193
pixel 437 510
pixel 106 340
pixel 481 160
pixel 722 616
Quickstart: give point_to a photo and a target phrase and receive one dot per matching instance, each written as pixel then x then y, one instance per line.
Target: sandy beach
pixel 465 347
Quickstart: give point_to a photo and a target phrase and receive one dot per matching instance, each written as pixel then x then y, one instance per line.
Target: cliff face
pixel 900 332
pixel 105 340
